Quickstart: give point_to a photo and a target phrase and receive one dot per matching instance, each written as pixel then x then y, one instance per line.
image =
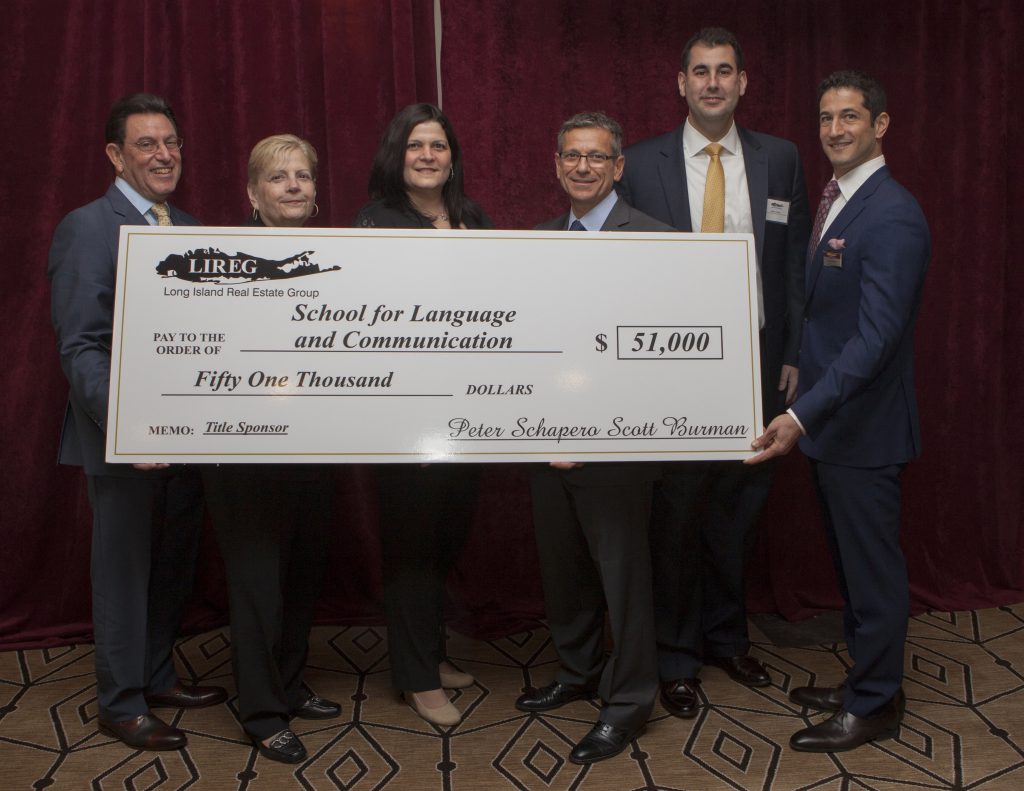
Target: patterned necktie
pixel 576 226
pixel 713 219
pixel 162 213
pixel 828 197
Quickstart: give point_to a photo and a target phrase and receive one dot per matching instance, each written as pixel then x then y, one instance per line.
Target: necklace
pixel 432 218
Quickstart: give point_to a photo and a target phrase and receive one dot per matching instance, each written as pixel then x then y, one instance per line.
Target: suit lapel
pixel 756 165
pixel 839 225
pixel 617 217
pixel 672 170
pixel 123 207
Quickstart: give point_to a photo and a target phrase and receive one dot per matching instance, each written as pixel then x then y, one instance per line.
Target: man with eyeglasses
pixel 146 517
pixel 712 176
pixel 591 520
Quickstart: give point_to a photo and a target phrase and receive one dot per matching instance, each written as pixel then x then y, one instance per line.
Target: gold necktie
pixel 713 219
pixel 162 214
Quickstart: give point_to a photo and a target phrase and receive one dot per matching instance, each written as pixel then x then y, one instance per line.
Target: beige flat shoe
pixel 451 678
pixel 445 715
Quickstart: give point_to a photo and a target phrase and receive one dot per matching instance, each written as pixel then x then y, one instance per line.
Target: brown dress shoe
pixel 820 698
pixel 742 669
pixel 187 697
pixel 844 731
pixel 680 698
pixel 145 732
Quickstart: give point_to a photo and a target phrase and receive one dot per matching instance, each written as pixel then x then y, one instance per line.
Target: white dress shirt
pixel 849 184
pixel 738 217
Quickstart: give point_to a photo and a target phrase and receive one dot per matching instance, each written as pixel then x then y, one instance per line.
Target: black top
pixel 376 214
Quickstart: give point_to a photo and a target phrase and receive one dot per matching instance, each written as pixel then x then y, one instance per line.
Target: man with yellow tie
pixel 146 517
pixel 712 176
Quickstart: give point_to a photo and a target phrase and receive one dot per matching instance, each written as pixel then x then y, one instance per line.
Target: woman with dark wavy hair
pixel 417 176
pixel 425 510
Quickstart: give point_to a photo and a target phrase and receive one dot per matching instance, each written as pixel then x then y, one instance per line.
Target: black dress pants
pixel 595 559
pixel 270 522
pixel 702 532
pixel 425 514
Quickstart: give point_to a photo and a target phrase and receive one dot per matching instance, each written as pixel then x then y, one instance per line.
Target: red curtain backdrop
pixel 335 71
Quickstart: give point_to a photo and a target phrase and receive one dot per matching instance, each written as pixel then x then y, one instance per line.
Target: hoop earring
pixel 316 211
pixel 255 214
pixel 451 174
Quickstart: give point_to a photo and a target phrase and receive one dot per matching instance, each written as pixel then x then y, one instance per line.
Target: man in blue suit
pixel 703 517
pixel 855 415
pixel 146 517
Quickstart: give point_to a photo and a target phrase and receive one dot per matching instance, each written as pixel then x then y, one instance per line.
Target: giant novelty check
pixel 373 345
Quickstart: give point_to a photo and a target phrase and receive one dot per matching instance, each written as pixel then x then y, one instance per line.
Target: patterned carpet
pixel 964 727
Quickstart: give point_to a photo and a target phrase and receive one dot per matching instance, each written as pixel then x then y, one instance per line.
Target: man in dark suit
pixel 855 415
pixel 146 517
pixel 591 521
pixel 710 175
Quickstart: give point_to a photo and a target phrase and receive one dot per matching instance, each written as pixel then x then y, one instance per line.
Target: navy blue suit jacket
pixel 83 271
pixel 856 392
pixel 654 181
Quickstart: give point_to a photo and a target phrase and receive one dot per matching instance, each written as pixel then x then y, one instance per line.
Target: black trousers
pixel 145 537
pixel 270 522
pixel 425 514
pixel 702 532
pixel 594 559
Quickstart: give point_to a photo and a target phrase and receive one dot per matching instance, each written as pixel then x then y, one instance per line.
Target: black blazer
pixel 654 181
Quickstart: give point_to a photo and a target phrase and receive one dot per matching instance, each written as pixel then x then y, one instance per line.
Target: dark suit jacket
pixel 622 217
pixel 856 398
pixel 83 271
pixel 654 181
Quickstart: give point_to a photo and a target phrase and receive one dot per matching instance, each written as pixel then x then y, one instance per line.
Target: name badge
pixel 778 211
pixel 833 258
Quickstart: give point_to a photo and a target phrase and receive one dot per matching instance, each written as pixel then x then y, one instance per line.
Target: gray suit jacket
pixel 622 217
pixel 82 271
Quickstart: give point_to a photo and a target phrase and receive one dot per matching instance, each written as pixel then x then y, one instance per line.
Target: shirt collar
pixel 854 180
pixel 594 219
pixel 694 142
pixel 136 200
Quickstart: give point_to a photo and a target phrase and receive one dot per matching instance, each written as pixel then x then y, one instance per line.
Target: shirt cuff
pixel 799 425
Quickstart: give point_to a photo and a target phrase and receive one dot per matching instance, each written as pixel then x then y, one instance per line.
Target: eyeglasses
pixel 150 146
pixel 595 158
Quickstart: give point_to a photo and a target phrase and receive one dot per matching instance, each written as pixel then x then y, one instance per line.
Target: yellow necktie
pixel 162 214
pixel 713 219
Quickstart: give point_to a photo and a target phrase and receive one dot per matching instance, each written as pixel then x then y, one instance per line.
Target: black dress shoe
pixel 145 732
pixel 845 731
pixel 284 747
pixel 317 708
pixel 552 696
pixel 603 741
pixel 187 697
pixel 820 698
pixel 680 697
pixel 743 669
